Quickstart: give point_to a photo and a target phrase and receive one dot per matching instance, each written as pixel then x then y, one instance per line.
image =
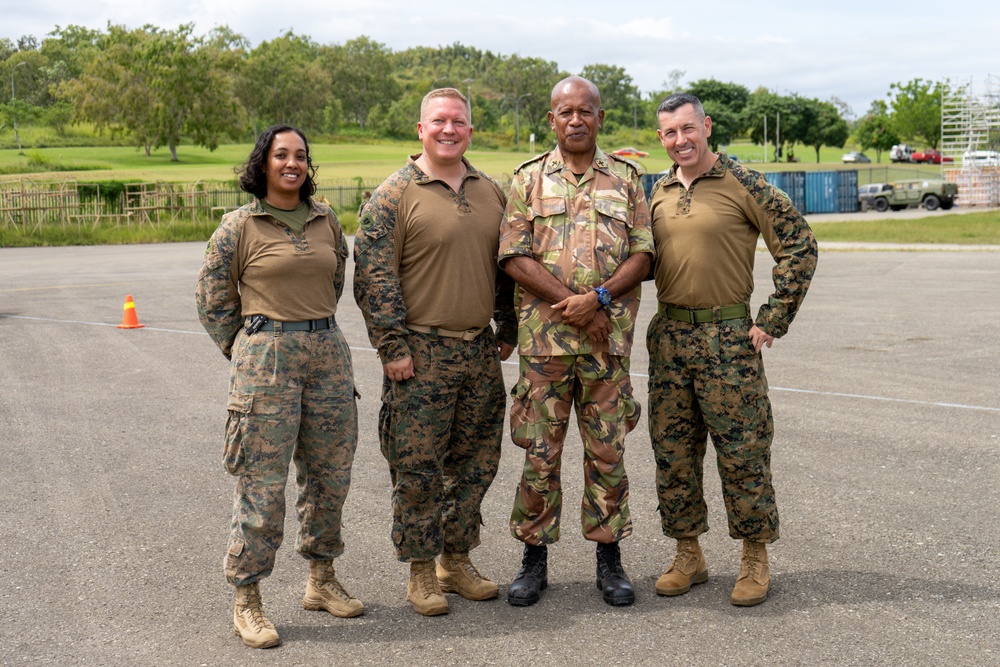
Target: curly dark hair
pixel 253 173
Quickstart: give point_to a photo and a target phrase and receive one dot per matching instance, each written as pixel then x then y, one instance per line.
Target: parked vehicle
pixel 981 159
pixel 630 152
pixel 930 156
pixel 929 193
pixel 855 157
pixel 867 194
pixel 900 153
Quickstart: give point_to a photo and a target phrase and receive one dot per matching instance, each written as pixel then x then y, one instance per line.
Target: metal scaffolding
pixel 970 139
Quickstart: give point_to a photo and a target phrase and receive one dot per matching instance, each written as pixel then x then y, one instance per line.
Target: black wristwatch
pixel 603 297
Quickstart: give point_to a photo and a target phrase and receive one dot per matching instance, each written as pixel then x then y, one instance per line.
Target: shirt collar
pixel 717 170
pixel 423 178
pixel 557 162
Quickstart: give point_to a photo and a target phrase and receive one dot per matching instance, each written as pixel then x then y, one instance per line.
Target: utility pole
pixel 765 137
pixel 777 139
pixel 635 121
pixel 13 110
pixel 468 87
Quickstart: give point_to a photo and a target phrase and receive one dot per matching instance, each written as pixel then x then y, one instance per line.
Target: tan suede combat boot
pixel 249 621
pixel 755 576
pixel 457 574
pixel 689 567
pixel 324 592
pixel 424 589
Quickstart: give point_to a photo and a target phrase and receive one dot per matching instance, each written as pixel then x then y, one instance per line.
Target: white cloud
pixel 852 49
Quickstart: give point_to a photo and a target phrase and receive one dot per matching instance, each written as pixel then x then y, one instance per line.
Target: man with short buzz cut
pixel 576 239
pixel 706 374
pixel 428 285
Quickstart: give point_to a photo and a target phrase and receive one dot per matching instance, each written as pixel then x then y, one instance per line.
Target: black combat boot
pixel 527 588
pixel 611 578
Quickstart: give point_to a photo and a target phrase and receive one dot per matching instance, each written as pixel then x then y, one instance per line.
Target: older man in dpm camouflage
pixel 706 375
pixel 576 239
pixel 427 282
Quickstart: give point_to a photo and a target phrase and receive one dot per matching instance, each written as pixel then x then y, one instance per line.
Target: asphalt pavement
pixel 114 506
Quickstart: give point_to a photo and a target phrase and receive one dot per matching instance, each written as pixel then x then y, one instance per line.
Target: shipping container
pixel 793 184
pixel 831 192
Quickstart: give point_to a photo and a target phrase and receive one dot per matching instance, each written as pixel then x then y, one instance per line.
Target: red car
pixel 930 155
pixel 630 152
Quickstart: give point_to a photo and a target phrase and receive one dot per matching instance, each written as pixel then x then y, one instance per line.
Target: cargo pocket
pixel 393 417
pixel 234 453
pixel 629 409
pixel 527 423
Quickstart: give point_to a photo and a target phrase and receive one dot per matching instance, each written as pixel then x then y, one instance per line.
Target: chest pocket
pixel 613 226
pixel 551 228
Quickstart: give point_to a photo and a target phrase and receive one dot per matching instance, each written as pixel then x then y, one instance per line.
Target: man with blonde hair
pixel 428 285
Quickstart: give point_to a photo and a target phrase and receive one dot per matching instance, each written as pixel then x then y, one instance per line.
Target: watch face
pixel 603 296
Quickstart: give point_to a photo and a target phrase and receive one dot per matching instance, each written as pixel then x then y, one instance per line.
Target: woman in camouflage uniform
pixel 267 294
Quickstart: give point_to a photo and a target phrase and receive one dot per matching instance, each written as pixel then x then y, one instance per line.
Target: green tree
pixel 724 103
pixel 875 130
pixel 28 78
pixel 362 72
pixel 7 48
pixel 916 110
pixel 155 85
pixel 822 125
pixel 525 85
pixel 619 95
pixel 284 81
pixel 731 95
pixel 726 124
pixel 766 104
pixel 114 90
pixel 66 53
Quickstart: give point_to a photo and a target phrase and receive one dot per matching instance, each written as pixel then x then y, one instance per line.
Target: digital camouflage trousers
pixel 706 379
pixel 600 387
pixel 440 432
pixel 291 398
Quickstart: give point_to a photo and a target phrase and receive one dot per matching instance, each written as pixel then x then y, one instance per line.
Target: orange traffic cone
pixel 129 320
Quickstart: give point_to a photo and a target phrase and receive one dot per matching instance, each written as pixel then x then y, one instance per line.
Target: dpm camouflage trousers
pixel 440 432
pixel 600 386
pixel 707 379
pixel 291 397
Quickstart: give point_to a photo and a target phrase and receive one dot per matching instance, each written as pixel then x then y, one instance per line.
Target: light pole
pixel 635 121
pixel 468 94
pixel 13 110
pixel 517 121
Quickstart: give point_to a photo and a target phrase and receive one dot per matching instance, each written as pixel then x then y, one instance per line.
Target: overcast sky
pixel 848 49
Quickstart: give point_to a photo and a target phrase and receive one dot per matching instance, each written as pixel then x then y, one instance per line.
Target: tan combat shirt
pixel 706 239
pixel 426 255
pixel 255 265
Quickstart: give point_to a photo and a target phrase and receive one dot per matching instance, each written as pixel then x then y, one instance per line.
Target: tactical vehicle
pixel 928 193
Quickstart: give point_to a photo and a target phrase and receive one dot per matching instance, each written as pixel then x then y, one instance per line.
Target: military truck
pixel 929 193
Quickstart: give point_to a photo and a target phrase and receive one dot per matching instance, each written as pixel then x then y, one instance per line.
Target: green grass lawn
pixel 336 162
pixel 343 163
pixel 958 228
